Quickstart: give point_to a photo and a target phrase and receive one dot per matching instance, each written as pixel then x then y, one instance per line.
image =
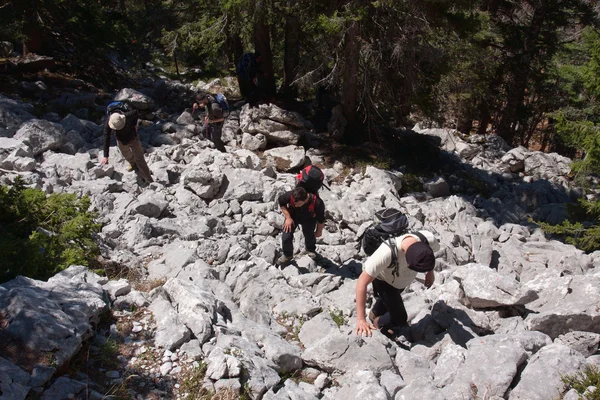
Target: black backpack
pixel 311 179
pixel 392 223
pixel 247 62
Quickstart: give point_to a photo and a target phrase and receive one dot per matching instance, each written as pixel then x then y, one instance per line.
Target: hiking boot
pixel 400 333
pixel 284 259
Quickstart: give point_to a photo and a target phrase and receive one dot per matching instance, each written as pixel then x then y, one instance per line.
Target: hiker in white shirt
pixel 415 254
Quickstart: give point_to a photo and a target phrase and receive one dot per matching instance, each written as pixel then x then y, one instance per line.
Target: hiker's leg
pixel 287 242
pixel 126 152
pixel 310 240
pixel 391 299
pixel 140 161
pixel 253 94
pixel 215 136
pixel 204 130
pixel 243 83
pixel 378 308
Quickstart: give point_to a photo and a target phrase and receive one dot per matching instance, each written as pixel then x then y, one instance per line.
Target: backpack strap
pixel 391 243
pixel 421 237
pixel 312 204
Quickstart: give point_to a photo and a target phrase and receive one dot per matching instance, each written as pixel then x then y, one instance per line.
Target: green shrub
pixel 337 316
pixel 582 380
pixel 583 235
pixel 41 235
pixel 411 183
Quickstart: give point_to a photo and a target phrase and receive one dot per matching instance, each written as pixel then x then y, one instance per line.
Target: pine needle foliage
pixel 578 124
pixel 581 381
pixel 583 228
pixel 41 235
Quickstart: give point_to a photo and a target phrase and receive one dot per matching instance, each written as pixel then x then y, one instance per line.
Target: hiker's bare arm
pixel 362 326
pixel 429 279
pixel 289 222
pixel 319 231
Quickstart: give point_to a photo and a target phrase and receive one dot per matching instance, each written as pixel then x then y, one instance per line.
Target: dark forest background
pixel 528 71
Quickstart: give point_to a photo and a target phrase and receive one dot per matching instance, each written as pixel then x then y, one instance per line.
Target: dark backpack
pixel 222 100
pixel 392 223
pixel 311 179
pixel 117 106
pixel 246 63
pixel 214 108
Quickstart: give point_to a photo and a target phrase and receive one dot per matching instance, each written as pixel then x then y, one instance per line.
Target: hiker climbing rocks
pixel 248 70
pixel 214 118
pixel 413 253
pixel 123 121
pixel 307 210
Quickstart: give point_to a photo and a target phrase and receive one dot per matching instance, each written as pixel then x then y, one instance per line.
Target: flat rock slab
pixel 548 366
pixel 502 361
pixel 52 318
pixel 566 304
pixel 345 352
pixel 485 288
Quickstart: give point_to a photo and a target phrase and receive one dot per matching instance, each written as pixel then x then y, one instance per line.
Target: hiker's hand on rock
pixel 104 161
pixel 429 279
pixel 288 225
pixel 319 233
pixel 364 328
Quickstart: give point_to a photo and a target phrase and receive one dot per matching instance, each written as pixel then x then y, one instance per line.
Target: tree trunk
pixel 484 118
pixel 292 55
pixel 235 49
pixel 238 48
pixel 176 64
pixel 350 84
pixel 464 124
pixel 519 76
pixel 547 136
pixel 262 44
pixel 533 128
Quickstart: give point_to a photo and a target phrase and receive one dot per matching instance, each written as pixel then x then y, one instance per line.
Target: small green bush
pixel 41 235
pixel 583 235
pixel 582 380
pixel 337 316
pixel 411 183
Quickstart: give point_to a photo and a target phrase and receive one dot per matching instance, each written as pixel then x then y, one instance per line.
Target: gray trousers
pixel 213 132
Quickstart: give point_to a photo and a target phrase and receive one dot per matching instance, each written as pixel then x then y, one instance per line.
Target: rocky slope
pixel 509 314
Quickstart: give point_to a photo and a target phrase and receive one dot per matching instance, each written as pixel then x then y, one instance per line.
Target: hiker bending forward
pixel 307 210
pixel 213 119
pixel 124 123
pixel 414 255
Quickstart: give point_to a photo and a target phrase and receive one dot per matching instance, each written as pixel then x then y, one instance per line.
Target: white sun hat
pixel 116 121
